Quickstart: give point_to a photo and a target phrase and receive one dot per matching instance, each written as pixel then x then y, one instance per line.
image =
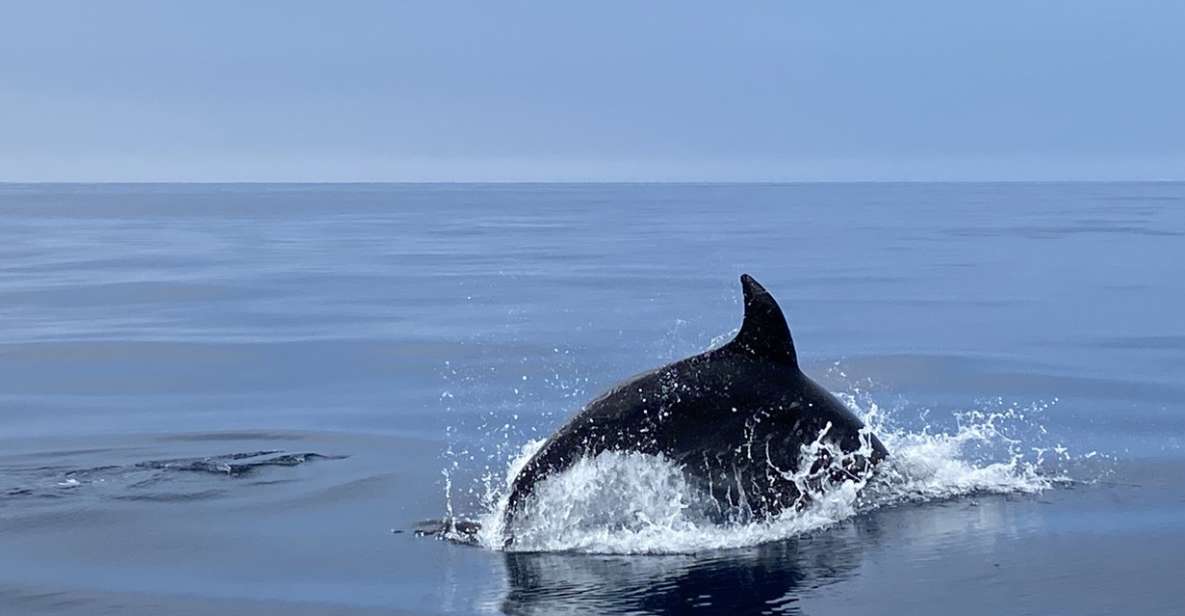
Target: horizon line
pixel 583 182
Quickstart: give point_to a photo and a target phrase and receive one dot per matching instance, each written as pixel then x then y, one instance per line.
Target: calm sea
pixel 222 398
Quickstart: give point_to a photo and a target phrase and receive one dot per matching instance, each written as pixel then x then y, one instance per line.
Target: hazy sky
pixel 597 90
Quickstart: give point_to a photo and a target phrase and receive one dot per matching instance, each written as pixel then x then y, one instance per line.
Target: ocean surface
pixel 230 399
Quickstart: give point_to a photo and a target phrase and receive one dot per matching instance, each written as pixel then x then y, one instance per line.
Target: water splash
pixel 630 503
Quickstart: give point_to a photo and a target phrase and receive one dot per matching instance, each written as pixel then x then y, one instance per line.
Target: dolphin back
pixel 704 410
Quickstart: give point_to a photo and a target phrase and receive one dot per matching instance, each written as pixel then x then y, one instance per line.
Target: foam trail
pixel 630 503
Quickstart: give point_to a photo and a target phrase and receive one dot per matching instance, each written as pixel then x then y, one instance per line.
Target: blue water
pixel 421 328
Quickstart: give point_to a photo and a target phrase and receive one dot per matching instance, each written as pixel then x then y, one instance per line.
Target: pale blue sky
pixel 502 90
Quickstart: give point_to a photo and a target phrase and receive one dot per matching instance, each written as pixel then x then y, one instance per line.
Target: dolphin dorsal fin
pixel 764 332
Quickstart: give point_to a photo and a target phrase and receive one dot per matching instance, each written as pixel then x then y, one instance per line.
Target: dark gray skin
pixel 736 418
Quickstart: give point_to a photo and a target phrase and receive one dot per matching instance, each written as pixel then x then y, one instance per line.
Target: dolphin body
pixel 736 418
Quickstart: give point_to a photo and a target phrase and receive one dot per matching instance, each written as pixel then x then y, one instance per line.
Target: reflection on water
pixel 763 579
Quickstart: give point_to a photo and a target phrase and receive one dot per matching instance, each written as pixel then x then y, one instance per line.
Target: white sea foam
pixel 630 503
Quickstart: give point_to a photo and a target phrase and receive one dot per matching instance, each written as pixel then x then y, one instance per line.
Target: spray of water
pixel 630 503
pixel 627 503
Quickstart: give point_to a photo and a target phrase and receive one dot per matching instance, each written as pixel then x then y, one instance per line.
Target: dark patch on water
pixel 127 479
pixel 171 498
pixel 232 464
pixel 766 579
pixel 271 482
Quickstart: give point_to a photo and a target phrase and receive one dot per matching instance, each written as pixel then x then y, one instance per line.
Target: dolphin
pixel 739 419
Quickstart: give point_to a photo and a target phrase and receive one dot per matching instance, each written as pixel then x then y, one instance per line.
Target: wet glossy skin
pixel 736 418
